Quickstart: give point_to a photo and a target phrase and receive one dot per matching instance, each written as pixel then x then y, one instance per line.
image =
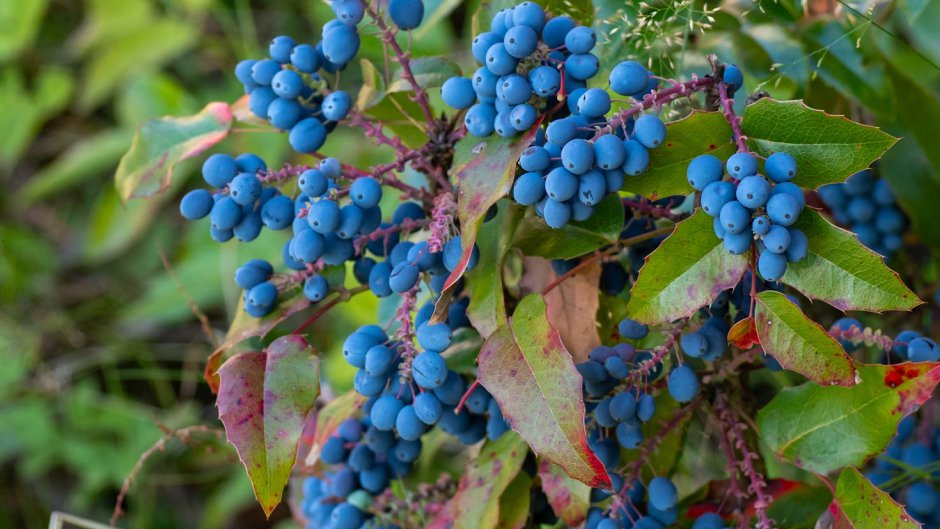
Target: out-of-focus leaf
pixel 373 86
pixel 484 480
pixel 429 72
pixel 149 96
pixel 20 22
pixel 799 343
pixel 526 368
pixel 263 401
pixel 688 271
pixel 328 420
pixel 26 108
pixel 839 270
pixel 824 428
pixel 434 12
pixel 569 498
pixel 147 168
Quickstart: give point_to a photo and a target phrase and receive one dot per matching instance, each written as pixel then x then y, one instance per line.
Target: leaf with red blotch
pixel 484 170
pixel 147 167
pixel 569 498
pixel 743 334
pixel 526 368
pixel 245 326
pixel 328 420
pixel 688 271
pixel 860 505
pixel 571 306
pixel 263 401
pixel 800 344
pixel 485 479
pixel 807 424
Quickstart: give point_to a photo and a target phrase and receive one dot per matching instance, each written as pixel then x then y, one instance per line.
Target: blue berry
pixel 316 288
pixel 683 384
pixel 260 100
pixel 312 182
pixel 556 213
pixel 520 41
pixel 219 169
pixel 522 117
pixel 753 191
pixel 336 105
pixel 735 218
pixel 783 209
pixel 287 84
pixel 662 493
pixel 407 424
pixel 307 135
pixel 429 370
pixel 436 337
pixel 499 61
pixel 649 130
pixel 378 360
pixel 350 12
pixel 580 39
pixel 341 43
pixel 529 14
pixel 923 350
pixel 741 164
pixel 555 30
pixel 278 213
pixel 458 93
pixel 406 14
pixel 479 120
pixel 481 43
pixel 704 170
pixel 694 344
pixel 780 167
pixel 385 412
pixel 594 102
pixel 716 195
pixel 308 246
pixel 245 189
pixel 638 158
pixel 428 408
pixel 284 113
pixel 578 157
pixel 404 277
pixel 545 81
pixel 263 71
pixel 324 216
pixel 737 243
pixel 632 330
pixel 580 66
pixel 777 239
pixel 623 406
pixel 225 214
pixel 771 265
pixel 733 77
pixel 628 78
pixel 306 58
pixel 592 188
pixel 529 189
pixel 196 204
pixel 365 192
pixel 280 48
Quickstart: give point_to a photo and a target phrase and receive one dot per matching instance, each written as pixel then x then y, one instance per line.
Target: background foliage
pixel 100 347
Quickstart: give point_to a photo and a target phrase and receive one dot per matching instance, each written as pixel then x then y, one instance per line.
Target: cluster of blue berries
pixel 750 208
pixel 866 205
pixel 286 88
pixel 658 500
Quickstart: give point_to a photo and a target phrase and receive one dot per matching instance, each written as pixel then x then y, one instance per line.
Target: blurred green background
pixel 98 340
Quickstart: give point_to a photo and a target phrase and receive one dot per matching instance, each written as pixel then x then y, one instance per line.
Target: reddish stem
pixel 735 431
pixel 727 104
pixel 373 129
pixel 466 395
pixel 660 97
pixel 650 444
pixel 645 206
pixel 343 295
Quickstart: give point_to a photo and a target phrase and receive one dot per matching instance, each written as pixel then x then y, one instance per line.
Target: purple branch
pixel 373 129
pixel 384 233
pixel 404 60
pixel 661 97
pixel 735 432
pixel 727 105
pixel 406 332
pixel 441 221
pixel 644 206
pixel 643 369
pixel 868 337
pixel 650 444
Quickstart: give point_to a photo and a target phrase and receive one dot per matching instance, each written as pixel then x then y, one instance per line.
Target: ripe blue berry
pixel 716 195
pixel 529 189
pixel 580 66
pixel 499 61
pixel 923 350
pixel 219 169
pixel 429 369
pixel 287 84
pixel 521 41
pixel 649 130
pixel 545 81
pixel 753 191
pixel 365 192
pixel 735 217
pixel 577 156
pixel 555 30
pixel 306 58
pixel 737 243
pixel 783 209
pixel 580 40
pixel 561 184
pixel 556 213
pixel 324 216
pixel 341 43
pixel 592 188
pixel 632 330
pixel 428 408
pixel 196 204
pixel 594 102
pixel 771 265
pixel 741 164
pixel 638 158
pixel 336 105
pixel 780 167
pixel 458 93
pixel 703 170
pixel 480 120
pixel 777 239
pixel 733 77
pixel 628 78
pixel 406 14
pixel 307 135
pixel 263 71
pixel 683 383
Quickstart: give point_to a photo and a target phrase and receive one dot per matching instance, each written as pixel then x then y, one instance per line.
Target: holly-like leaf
pixel 487 309
pixel 569 498
pixel 800 344
pixel 827 148
pixel 824 428
pixel 483 482
pixel 536 238
pixel 688 271
pixel 484 171
pixel 526 368
pixel 514 503
pixel 571 306
pixel 328 420
pixel 699 133
pixel 147 167
pixel 860 505
pixel 840 271
pixel 244 326
pixel 263 401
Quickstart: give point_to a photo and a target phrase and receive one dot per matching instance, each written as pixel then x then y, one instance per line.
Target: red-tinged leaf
pixel 484 480
pixel 571 306
pixel 569 498
pixel 825 428
pixel 328 420
pixel 241 112
pixel 743 334
pixel 860 505
pixel 530 374
pixel 800 344
pixel 263 401
pixel 245 326
pixel 484 171
pixel 445 517
pixel 688 271
pixel 147 167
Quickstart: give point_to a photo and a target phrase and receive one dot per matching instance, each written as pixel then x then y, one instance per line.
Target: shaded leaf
pixel 263 401
pixel 534 237
pixel 20 22
pixel 373 85
pixel 699 133
pixel 840 271
pixel 800 344
pixel 824 428
pixel 514 503
pixel 569 498
pixel 530 374
pixel 827 148
pixel 483 171
pixel 482 484
pixel 147 167
pixel 571 306
pixel 688 271
pixel 328 420
pixel 861 505
pixel 487 309
pixel 429 72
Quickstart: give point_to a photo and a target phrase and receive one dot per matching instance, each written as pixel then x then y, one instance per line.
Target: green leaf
pixel 699 133
pixel 20 22
pixel 799 508
pixel 534 237
pixel 484 171
pixel 827 148
pixel 373 86
pixel 514 503
pixel 147 168
pixel 688 271
pixel 861 505
pixel 434 12
pixel 27 107
pixel 328 420
pixel 800 344
pixel 478 496
pixel 487 309
pixel 914 186
pixel 429 72
pixel 823 428
pixel 570 499
pixel 263 401
pixel 530 374
pixel 840 271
